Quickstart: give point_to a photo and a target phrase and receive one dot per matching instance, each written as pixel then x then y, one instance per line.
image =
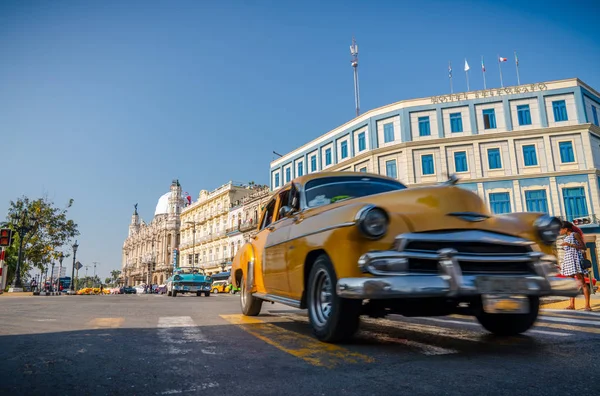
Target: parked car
pixel 128 290
pixel 348 244
pixel 188 280
pixel 221 286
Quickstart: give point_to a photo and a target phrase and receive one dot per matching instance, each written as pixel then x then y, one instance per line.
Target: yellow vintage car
pixel 347 244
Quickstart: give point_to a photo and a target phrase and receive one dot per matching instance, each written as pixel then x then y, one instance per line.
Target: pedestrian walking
pixel 101 289
pixel 571 265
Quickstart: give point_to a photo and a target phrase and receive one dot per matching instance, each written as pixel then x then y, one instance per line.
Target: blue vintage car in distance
pixel 188 280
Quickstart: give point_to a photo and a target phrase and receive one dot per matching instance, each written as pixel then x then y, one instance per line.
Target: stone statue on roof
pixel 135 212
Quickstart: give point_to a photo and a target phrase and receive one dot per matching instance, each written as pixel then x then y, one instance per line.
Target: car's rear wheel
pixel 510 324
pixel 207 294
pixel 333 319
pixel 168 293
pixel 250 305
pixel 215 291
pixel 198 294
pixel 174 293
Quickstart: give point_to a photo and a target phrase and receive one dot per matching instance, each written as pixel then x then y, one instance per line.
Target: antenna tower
pixel 354 63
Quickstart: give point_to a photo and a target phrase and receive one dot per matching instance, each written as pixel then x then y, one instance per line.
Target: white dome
pixel 162 207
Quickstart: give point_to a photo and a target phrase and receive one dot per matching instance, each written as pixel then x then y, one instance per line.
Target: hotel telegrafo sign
pixel 489 93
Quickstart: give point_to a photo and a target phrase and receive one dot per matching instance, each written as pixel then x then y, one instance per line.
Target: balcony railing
pixel 247 226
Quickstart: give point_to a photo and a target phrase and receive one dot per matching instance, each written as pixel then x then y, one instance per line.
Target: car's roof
pixel 302 180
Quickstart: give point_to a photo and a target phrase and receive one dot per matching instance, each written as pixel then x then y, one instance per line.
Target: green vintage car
pixel 188 280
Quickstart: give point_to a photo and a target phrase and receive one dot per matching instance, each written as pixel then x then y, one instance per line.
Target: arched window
pixel 155 279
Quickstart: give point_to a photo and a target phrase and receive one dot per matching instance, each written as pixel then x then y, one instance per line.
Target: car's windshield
pixel 334 189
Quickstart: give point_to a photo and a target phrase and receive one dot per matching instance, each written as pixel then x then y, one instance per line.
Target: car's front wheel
pixel 510 324
pixel 333 319
pixel 215 291
pixel 250 305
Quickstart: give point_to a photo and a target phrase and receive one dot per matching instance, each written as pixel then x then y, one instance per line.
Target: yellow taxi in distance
pixel 220 287
pixel 346 244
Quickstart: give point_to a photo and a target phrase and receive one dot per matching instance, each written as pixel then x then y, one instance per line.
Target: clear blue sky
pixel 108 101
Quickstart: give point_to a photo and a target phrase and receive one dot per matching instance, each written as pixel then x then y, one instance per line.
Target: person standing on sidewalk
pixel 571 266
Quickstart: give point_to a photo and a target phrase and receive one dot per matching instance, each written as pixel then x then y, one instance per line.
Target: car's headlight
pixel 548 228
pixel 372 222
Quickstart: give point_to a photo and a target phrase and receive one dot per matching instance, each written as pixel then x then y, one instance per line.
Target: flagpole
pixel 450 75
pixel 517 64
pixel 500 68
pixel 483 71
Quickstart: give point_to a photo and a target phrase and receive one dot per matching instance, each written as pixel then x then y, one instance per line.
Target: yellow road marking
pixel 306 348
pixel 106 323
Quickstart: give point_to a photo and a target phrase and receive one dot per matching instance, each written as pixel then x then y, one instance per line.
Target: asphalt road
pixel 158 345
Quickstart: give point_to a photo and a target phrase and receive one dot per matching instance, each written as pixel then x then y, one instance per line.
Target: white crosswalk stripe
pixel 178 332
pixel 552 333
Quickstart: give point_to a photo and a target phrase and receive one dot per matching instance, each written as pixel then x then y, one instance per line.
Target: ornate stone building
pixel 149 248
pixel 244 216
pixel 203 228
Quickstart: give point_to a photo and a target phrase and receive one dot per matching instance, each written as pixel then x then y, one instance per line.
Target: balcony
pixel 244 227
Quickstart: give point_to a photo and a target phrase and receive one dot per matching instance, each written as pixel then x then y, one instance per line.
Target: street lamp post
pixel 60 260
pixel 22 226
pixel 75 246
pixel 193 244
pixel 52 279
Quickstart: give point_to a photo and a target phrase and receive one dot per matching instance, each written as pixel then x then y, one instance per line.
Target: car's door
pixel 275 272
pixel 258 244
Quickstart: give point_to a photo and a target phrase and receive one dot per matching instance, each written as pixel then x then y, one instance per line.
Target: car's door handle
pixel 270 228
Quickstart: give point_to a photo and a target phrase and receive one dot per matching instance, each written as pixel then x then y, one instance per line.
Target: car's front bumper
pixel 450 281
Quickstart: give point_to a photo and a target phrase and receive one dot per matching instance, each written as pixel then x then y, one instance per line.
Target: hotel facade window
pixel 362 141
pixel 575 202
pixel 500 202
pixel 494 159
pixel 313 163
pixel 559 108
pixel 300 169
pixel 489 119
pixel 328 157
pixel 566 152
pixel 388 133
pixel 288 174
pixel 363 170
pixel 456 122
pixel 524 115
pixel 536 201
pixel 390 169
pixel 276 179
pixel 424 129
pixel 460 161
pixel 595 115
pixel 427 166
pixel 344 149
pixel 529 155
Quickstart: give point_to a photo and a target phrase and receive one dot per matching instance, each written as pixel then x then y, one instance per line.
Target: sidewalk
pixel 18 294
pixel 563 302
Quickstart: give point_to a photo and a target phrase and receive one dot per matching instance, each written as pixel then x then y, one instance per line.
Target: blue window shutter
pixel 388 133
pixel 427 164
pixel 489 119
pixel 524 115
pixel 288 174
pixel 424 129
pixel 494 159
pixel 559 108
pixel 529 155
pixel 344 147
pixel 460 161
pixel 362 145
pixel 300 169
pixel 328 156
pixel 595 115
pixel 566 152
pixel 575 203
pixel 456 122
pixel 363 170
pixel 276 179
pixel 313 163
pixel 500 203
pixel 390 169
pixel 536 201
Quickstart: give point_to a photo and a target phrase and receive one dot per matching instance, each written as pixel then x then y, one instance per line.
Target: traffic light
pixel 6 237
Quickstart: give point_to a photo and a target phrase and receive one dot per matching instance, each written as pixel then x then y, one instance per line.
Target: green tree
pixel 115 275
pixel 51 229
pixel 108 281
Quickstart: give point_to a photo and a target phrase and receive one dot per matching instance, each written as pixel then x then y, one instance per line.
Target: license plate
pixel 499 285
pixel 498 304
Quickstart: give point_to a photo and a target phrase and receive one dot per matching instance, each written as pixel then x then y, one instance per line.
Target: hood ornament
pixel 470 216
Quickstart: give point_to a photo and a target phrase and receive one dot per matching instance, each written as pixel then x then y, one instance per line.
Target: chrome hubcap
pixel 322 293
pixel 243 293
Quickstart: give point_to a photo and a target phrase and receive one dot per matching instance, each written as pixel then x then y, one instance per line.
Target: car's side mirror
pixel 284 211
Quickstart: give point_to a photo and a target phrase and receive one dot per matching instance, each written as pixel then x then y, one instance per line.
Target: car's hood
pixel 442 208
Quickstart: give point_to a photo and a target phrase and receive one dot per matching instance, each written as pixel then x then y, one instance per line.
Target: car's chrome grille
pixel 475 252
